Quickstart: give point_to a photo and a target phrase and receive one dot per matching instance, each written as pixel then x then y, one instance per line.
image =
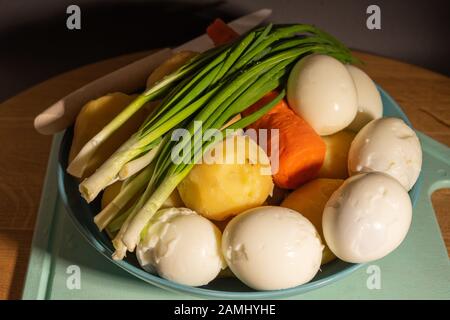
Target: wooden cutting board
pixel 423 95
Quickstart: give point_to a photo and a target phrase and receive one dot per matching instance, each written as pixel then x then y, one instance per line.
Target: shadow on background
pixel 35 43
pixel 107 30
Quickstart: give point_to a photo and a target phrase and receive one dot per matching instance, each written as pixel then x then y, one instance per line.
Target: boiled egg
pixel 370 106
pixel 271 248
pixel 321 90
pixel 387 145
pixel 367 217
pixel 181 246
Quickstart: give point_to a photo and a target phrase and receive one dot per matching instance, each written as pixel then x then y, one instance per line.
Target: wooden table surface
pixel 424 96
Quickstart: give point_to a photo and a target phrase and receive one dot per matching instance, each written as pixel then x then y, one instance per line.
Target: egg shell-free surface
pixel 182 246
pixel 367 217
pixel 321 90
pixel 272 248
pixel 369 99
pixel 387 145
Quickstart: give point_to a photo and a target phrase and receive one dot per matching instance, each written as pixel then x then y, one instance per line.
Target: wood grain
pixel 14 254
pixel 424 96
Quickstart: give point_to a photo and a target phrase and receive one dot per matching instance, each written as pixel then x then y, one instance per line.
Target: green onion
pixel 212 88
pixel 125 195
pixel 131 236
pixel 79 164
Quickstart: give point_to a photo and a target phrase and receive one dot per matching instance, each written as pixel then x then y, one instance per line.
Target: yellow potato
pixel 335 162
pixel 310 200
pixel 226 188
pixel 169 66
pixel 93 117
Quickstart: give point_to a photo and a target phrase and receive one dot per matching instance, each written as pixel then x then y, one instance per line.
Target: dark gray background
pixel 35 43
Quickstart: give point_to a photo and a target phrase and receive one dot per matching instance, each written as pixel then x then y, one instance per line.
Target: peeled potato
pixel 93 117
pixel 310 200
pixel 335 163
pixel 226 188
pixel 169 66
pixel 110 192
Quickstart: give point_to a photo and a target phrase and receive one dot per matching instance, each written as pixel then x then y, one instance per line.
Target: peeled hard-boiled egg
pixel 181 246
pixel 271 248
pixel 370 106
pixel 367 217
pixel 321 90
pixel 387 145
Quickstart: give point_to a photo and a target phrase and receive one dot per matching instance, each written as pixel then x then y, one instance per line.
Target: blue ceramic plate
pixel 82 215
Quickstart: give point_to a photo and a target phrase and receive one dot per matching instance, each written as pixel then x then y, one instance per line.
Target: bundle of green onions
pixel 212 88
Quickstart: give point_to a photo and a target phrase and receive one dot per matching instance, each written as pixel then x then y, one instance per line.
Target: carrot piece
pixel 220 33
pixel 301 149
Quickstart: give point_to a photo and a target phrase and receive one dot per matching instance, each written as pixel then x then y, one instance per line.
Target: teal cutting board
pixel 418 269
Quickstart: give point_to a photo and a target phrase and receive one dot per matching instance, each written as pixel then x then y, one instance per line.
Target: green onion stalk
pixel 212 88
pixel 220 109
pixel 153 129
pixel 159 89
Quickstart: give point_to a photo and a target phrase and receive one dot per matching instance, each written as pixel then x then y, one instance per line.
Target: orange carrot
pixel 301 150
pixel 220 33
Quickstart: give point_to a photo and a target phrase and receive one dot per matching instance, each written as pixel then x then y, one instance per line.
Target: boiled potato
pixel 93 117
pixel 335 163
pixel 310 200
pixel 234 176
pixel 110 192
pixel 169 66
